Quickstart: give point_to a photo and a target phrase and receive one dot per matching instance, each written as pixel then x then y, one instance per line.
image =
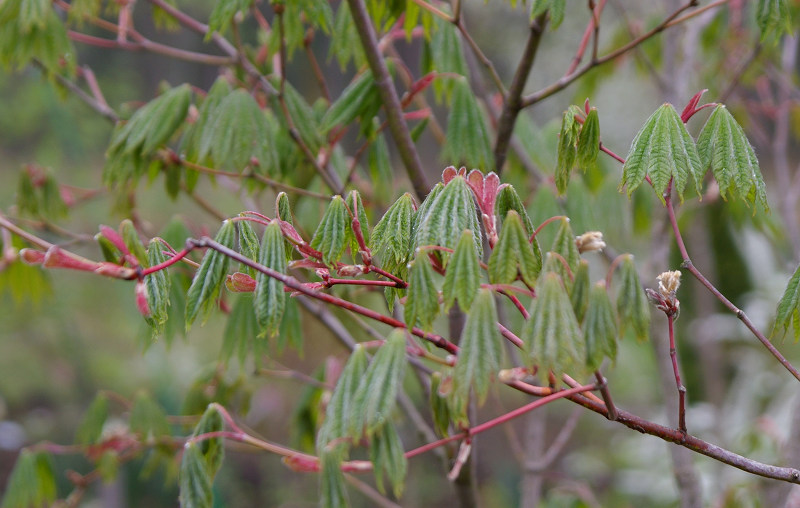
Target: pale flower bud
pixel 668 283
pixel 590 241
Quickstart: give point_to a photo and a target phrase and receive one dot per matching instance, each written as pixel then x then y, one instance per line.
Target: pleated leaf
pixel 663 150
pixel 331 235
pixel 599 328
pixel 374 400
pixel 212 450
pixel 356 206
pixel 446 55
pixel 633 307
pixel 579 294
pixel 32 482
pixel 513 253
pixel 360 99
pixel 194 481
pixel 391 237
pixel 773 18
pixel 564 244
pixel 449 214
pixel 91 427
pixel 340 407
pixel 387 456
pixel 240 132
pixel 333 493
pixel 467 137
pixel 248 240
pixel 789 308
pixel 567 151
pixel 202 295
pixel 222 14
pixel 508 199
pixel 589 141
pixel 269 298
pixel 158 285
pixel 440 409
pixel 425 207
pixel 422 302
pixel 552 337
pixel 723 145
pixel 132 241
pixel 479 354
pixel 200 134
pixel 463 277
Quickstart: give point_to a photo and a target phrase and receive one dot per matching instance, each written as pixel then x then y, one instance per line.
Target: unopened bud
pixel 590 241
pixel 668 283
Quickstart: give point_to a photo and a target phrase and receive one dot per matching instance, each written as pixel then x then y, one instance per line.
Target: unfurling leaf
pixel 665 151
pixel 91 428
pixel 599 328
pixel 579 295
pixel 195 480
pixel 422 303
pixel 513 252
pixel 340 407
pixel 333 493
pixel 632 305
pixel 467 136
pixel 723 145
pixel 131 238
pixel 564 245
pixel 200 134
pixel 463 276
pixel 589 141
pixel 552 337
pixel 269 298
pixel 773 18
pixel 158 285
pixel 212 450
pixel 374 400
pixel 391 237
pixel 567 151
pixel 479 354
pixel 207 282
pixel 440 409
pixel 331 235
pixel 508 199
pixel 448 215
pixel 32 482
pixel 387 456
pixel 356 207
pixel 789 308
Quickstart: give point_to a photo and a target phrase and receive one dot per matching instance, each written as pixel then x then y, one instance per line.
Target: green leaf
pixel 304 118
pixel 564 244
pixel 52 204
pixel 446 55
pixel 552 337
pixel 374 400
pixel 663 150
pixel 240 132
pixel 513 253
pixel 599 328
pixel 147 418
pixel 333 493
pixel 632 305
pixel 422 303
pixel 213 449
pixel 589 141
pixel 380 169
pixel 91 428
pixel 508 199
pixel 557 10
pixel 31 30
pixel 440 409
pixel 479 354
pixel 340 407
pixel 283 208
pixel 223 13
pixel 467 137
pixel 200 134
pixel 579 295
pixel 567 151
pixel 424 208
pixel 361 99
pixel 269 298
pixel 391 238
pixel 240 328
pixel 331 234
pixel 248 240
pixel 195 481
pixel 773 19
pixel 463 277
pixel 32 482
pixel 202 294
pixel 356 206
pixel 387 456
pixel 346 45
pixel 131 238
pixel 789 307
pixel 448 215
pixel 723 145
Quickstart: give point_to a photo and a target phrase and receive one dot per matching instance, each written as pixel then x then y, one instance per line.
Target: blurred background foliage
pixel 65 336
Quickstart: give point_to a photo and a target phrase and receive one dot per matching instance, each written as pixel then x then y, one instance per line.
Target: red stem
pixel 543 224
pixel 673 353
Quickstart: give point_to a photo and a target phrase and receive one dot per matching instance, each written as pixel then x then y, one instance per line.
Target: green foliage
pixel 391 237
pixel 346 46
pixel 240 330
pixel 41 198
pixel 567 150
pixel 195 480
pixel 588 147
pixel 599 328
pixel 444 54
pixel 207 282
pixel 552 337
pixel 773 19
pixel 463 277
pixel 356 207
pixel 132 241
pixel 564 245
pixel 269 299
pixel 513 253
pixel 422 303
pixel 467 139
pixel 556 9
pixel 91 427
pixel 480 353
pixel 449 213
pixel 340 407
pixel 223 13
pixel 213 449
pixel 332 233
pixel 789 308
pixel 32 482
pixel 199 136
pixel 723 145
pixel 440 409
pixel 333 493
pixel 147 418
pixel 361 99
pixel 633 308
pixel 579 296
pixel 665 151
pixel 508 199
pixel 387 455
pixel 31 30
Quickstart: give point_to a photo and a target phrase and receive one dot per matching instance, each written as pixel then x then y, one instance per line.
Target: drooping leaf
pixel 391 237
pixel 665 151
pixel 440 409
pixel 223 13
pixel 445 55
pixel 723 145
pixel 360 99
pixel 599 328
pixel 31 30
pixel 346 45
pixel 241 329
pixel 269 298
pixel 195 480
pixel 303 116
pixel 330 237
pixel 158 285
pixel 589 141
pixel 788 312
pixel 340 407
pixel 579 295
pixel 773 18
pixel 212 450
pixel 333 493
pixel 387 456
pixel 32 482
pixel 200 134
pixel 202 294
pixel 467 137
pixel 567 151
pixel 552 337
pixel 449 214
pixel 479 354
pixel 380 168
pixel 463 277
pixel 422 302
pixel 633 308
pixel 374 399
pixel 91 428
pixel 513 253
pixel 147 418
